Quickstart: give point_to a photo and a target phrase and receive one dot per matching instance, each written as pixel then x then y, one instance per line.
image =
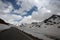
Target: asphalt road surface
pixel 13 34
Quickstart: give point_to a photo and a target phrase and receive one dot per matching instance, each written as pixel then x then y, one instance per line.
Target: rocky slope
pixel 49 29
pixel 3 22
pixel 54 19
pixel 10 32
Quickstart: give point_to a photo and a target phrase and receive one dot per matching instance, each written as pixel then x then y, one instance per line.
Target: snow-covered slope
pixel 54 19
pixel 49 29
pixel 4 25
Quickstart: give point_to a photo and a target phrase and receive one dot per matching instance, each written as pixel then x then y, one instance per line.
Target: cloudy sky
pixel 27 11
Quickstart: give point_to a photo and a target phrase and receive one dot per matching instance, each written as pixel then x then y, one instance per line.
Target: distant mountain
pixel 3 22
pixel 50 28
pixel 54 19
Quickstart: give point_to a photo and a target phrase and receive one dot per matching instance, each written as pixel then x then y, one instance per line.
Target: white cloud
pixel 39 3
pixel 42 14
pixel 45 10
pixel 5 8
pixel 10 18
pixel 28 20
pixel 25 6
pixel 52 7
pixel 9 9
pixel 58 13
pixel 2 5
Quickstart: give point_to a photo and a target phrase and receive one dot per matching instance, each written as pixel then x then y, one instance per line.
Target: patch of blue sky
pixel 14 13
pixel 16 6
pixel 13 2
pixel 25 12
pixel 34 8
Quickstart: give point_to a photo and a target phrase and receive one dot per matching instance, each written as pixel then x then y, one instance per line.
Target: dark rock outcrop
pixel 3 22
pixel 52 37
pixel 54 19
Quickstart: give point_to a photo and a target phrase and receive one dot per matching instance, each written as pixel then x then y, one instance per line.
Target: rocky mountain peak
pixel 3 22
pixel 54 19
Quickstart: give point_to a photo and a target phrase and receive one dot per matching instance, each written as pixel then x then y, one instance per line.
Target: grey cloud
pixel 53 6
